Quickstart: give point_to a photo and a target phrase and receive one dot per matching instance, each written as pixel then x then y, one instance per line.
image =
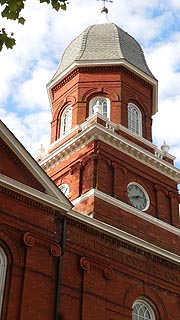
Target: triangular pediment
pixel 12 167
pixel 17 164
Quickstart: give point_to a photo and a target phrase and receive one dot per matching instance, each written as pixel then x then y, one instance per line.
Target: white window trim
pixel 63 132
pixel 130 105
pixel 3 268
pixel 92 102
pixel 147 305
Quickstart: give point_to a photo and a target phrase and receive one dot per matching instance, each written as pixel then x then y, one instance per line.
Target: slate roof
pixel 103 42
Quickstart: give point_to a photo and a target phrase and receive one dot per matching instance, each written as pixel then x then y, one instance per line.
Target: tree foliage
pixel 11 9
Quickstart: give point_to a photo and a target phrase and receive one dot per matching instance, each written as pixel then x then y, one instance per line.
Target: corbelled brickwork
pixel 103 276
pixel 116 83
pixel 27 235
pixel 92 261
pixel 108 275
pixel 99 166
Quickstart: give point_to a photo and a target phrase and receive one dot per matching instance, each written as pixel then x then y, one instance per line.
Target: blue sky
pixel 26 69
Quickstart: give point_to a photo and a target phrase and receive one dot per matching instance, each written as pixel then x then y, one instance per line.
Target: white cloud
pixel 167 122
pixel 164 61
pixel 32 94
pixel 32 130
pixel 27 68
pixel 175 4
pixel 140 19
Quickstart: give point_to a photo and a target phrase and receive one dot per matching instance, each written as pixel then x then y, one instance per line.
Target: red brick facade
pixel 102 276
pixel 30 235
pixel 95 260
pixel 116 83
pixel 77 266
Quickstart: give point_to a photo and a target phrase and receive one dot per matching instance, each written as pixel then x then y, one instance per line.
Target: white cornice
pixel 113 127
pixel 93 63
pixel 98 225
pixel 119 234
pixel 145 141
pixel 124 206
pixel 96 131
pixel 71 132
pixel 34 194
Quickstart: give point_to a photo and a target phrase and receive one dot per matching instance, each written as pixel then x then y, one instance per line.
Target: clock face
pixel 64 188
pixel 138 196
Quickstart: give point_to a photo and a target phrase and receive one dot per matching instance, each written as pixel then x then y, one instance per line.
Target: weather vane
pixel 104 1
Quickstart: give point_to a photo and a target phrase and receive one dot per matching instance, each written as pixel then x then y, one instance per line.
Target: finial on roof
pixel 104 9
pixel 165 148
pixel 104 12
pixel 41 153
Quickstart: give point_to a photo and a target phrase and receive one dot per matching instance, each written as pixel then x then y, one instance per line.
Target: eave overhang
pixel 102 227
pixel 128 208
pixel 120 234
pixel 152 81
pixel 36 195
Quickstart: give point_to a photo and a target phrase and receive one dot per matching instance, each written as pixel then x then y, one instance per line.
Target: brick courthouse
pixel 92 230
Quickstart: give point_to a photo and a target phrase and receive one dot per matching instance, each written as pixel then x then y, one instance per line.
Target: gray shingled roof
pixel 103 42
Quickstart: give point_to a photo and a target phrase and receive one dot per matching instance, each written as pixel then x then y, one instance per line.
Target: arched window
pixel 142 311
pixel 100 105
pixel 66 121
pixel 134 119
pixel 3 267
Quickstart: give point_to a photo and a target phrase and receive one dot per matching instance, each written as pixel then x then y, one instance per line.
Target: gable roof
pixel 32 166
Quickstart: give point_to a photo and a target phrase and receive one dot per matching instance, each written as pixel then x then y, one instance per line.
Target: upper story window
pixel 142 311
pixel 66 121
pixel 134 119
pixel 3 267
pixel 100 105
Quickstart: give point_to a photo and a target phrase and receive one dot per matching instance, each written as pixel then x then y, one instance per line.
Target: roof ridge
pixel 64 53
pixel 84 42
pixel 117 41
pixel 139 48
pixel 142 52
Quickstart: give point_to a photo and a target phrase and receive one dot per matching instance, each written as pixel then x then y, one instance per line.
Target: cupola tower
pixel 107 246
pixel 103 96
pixel 101 156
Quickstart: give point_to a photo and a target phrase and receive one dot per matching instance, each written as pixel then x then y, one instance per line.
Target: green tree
pixel 11 9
